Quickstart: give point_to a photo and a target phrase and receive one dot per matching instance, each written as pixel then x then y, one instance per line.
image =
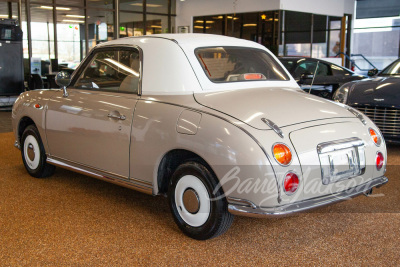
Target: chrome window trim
pixel 89 57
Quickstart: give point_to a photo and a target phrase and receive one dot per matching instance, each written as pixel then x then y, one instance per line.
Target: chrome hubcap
pixel 30 149
pixel 191 201
pixel 31 152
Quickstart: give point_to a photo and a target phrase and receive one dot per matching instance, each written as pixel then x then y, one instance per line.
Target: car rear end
pixel 333 160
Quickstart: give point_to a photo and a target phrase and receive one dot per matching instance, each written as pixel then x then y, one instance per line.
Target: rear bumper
pixel 247 208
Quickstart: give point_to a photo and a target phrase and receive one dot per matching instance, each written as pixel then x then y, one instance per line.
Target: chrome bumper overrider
pixel 16 144
pixel 247 208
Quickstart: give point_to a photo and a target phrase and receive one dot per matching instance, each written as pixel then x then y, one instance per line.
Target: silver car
pixel 214 123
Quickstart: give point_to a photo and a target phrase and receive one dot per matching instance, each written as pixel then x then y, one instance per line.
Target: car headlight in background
pixel 341 94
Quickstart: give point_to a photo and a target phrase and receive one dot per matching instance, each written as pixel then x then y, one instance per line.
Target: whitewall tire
pixel 33 154
pixel 198 211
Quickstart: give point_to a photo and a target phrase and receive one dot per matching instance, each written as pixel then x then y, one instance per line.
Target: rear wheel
pixel 33 154
pixel 199 212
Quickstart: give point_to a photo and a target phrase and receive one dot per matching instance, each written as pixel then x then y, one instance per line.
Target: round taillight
pixel 379 161
pixel 291 183
pixel 282 154
pixel 375 137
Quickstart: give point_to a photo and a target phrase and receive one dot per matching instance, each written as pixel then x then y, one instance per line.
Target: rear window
pixel 235 64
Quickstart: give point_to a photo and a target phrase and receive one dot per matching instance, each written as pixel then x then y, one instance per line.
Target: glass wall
pixel 285 33
pixel 378 40
pixel 63 31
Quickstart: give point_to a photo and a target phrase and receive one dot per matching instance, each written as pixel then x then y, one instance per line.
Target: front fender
pixel 31 105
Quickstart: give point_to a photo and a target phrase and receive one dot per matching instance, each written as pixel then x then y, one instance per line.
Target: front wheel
pixel 33 154
pixel 199 212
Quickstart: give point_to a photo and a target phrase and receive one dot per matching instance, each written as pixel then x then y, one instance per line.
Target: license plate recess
pixel 341 159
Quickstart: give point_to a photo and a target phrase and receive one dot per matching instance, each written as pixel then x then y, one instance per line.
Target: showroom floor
pixel 5 121
pixel 71 219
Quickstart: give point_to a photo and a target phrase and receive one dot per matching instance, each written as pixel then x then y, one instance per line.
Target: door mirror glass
pixel 304 77
pixel 63 79
pixel 372 72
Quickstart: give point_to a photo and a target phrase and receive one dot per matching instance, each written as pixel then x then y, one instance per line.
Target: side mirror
pixel 372 72
pixel 63 79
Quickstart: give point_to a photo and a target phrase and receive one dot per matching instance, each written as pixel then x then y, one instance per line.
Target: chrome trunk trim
pixel 339 144
pixel 273 126
pixel 243 209
pixel 135 184
pixel 357 114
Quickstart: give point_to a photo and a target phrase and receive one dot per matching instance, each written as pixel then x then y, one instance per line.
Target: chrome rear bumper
pixel 247 208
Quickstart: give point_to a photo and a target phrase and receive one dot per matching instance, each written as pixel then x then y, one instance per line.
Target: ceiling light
pixel 202 21
pixel 57 8
pixel 201 27
pixel 75 16
pixel 6 16
pixel 75 21
pixel 249 25
pixel 147 5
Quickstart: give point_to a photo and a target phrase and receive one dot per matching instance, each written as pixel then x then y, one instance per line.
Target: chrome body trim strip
pixel 135 184
pixel 339 144
pixel 273 126
pixel 357 114
pixel 247 210
pixel 239 201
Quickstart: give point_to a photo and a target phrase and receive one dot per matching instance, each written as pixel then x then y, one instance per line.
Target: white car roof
pixel 166 50
pixel 190 39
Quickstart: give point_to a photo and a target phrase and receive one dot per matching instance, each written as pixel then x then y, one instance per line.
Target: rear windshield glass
pixel 234 64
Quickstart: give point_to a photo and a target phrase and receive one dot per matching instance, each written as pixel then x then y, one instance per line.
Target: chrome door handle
pixel 120 117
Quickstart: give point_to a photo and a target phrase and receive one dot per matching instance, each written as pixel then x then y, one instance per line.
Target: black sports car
pixel 378 98
pixel 329 77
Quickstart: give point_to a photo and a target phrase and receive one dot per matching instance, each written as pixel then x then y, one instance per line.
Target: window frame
pixel 93 53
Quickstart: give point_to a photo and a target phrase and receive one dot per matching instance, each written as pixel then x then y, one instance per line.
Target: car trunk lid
pixel 281 106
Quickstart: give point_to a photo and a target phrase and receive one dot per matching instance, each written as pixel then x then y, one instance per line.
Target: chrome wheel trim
pixel 31 150
pixel 191 200
pixel 191 182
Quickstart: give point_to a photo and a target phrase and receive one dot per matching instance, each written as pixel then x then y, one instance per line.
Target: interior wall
pixel 186 10
pixel 323 7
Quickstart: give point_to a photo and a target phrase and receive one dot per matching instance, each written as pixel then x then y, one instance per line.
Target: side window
pixel 323 70
pixel 112 71
pixel 310 66
pixel 306 66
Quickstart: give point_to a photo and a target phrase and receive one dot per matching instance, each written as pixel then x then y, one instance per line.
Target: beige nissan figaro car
pixel 214 123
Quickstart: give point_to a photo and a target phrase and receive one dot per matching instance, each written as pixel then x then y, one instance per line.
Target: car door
pixel 91 126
